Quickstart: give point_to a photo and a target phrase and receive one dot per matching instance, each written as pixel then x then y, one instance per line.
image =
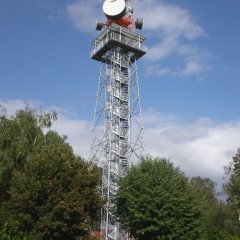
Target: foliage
pixel 221 222
pixel 233 187
pixel 219 234
pixel 205 189
pixel 50 192
pixel 20 136
pixel 156 201
pixel 219 216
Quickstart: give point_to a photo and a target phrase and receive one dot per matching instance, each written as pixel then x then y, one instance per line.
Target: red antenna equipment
pixel 119 12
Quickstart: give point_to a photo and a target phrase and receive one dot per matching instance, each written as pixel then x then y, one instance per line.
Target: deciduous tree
pixel 156 201
pixel 20 136
pixel 233 186
pixel 51 193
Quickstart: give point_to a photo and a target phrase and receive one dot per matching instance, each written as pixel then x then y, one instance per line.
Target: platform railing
pixel 119 38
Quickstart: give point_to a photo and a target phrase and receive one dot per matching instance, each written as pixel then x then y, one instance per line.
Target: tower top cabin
pixel 118 31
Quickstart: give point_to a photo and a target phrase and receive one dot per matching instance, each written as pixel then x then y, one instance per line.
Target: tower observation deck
pixel 117 135
pixel 121 37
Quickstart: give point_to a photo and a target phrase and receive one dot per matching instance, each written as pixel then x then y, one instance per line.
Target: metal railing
pixel 119 38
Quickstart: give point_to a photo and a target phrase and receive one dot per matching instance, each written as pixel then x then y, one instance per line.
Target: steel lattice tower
pixel 117 135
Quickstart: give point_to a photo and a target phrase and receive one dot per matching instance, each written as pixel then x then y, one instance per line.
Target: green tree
pixel 219 234
pixel 233 186
pixel 52 194
pixel 156 201
pixel 219 216
pixel 20 136
pixel 205 188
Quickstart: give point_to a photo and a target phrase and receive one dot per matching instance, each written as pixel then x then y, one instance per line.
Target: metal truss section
pixel 117 135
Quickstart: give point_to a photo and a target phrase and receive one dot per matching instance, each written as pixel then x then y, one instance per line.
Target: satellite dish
pixel 114 9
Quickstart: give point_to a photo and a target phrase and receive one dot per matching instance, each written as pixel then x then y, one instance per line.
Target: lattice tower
pixel 117 135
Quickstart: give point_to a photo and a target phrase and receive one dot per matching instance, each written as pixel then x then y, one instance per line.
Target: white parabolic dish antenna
pixel 114 9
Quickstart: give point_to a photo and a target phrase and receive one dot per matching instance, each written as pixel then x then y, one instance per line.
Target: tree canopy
pixel 218 216
pixel 156 201
pixel 47 192
pixel 233 186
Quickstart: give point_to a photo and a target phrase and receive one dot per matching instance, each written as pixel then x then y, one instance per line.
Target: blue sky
pixel 189 79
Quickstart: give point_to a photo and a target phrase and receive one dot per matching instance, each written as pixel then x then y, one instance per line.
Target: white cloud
pixel 192 67
pixel 167 19
pixel 11 106
pixel 157 70
pixel 84 13
pixel 162 50
pixel 170 27
pixel 173 31
pixel 200 148
pixel 78 131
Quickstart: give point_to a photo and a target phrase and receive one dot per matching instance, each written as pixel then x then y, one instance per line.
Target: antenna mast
pixel 117 135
